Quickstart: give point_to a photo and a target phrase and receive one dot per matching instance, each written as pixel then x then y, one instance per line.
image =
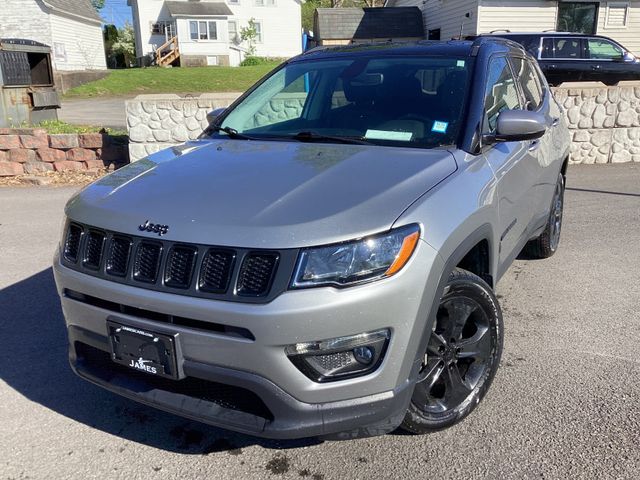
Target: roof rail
pixel 482 39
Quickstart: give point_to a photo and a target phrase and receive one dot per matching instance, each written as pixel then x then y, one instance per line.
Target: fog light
pixel 340 358
pixel 364 355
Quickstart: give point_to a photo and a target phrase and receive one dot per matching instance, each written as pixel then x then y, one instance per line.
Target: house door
pixel 578 17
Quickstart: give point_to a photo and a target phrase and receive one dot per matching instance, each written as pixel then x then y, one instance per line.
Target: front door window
pixel 578 17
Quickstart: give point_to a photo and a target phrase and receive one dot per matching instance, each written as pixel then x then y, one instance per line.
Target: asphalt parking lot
pixel 565 403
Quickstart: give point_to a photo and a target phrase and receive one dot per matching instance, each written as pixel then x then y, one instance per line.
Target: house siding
pixel 281 29
pixel 538 15
pixel 281 25
pixel 83 44
pixel 25 19
pixel 448 16
pixel 31 20
pixel 628 36
pixel 526 16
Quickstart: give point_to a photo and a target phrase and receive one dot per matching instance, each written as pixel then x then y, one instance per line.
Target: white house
pixel 72 28
pixel 445 19
pixel 207 32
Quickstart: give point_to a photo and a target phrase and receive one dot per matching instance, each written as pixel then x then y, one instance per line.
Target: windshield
pixel 399 100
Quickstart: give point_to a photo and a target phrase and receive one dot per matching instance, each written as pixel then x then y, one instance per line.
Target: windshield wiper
pixel 317 137
pixel 232 132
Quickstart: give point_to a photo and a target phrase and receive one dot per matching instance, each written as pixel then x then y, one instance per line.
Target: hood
pixel 258 194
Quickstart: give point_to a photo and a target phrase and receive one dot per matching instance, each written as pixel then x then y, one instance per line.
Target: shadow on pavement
pixel 573 189
pixel 33 361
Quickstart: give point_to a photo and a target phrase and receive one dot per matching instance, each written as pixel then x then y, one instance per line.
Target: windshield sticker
pixel 460 63
pixel 389 135
pixel 439 126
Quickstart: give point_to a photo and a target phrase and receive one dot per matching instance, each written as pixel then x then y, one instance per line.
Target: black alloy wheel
pixel 461 357
pixel 547 243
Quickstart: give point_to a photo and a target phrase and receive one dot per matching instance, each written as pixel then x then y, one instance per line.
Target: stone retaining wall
pixel 156 122
pixel 604 121
pixel 33 151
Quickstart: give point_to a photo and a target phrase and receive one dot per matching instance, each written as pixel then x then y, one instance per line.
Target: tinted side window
pixel 529 82
pixel 500 93
pixel 567 48
pixel 531 43
pixel 604 50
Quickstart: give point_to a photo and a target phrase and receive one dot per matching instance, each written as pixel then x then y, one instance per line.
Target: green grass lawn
pixel 173 80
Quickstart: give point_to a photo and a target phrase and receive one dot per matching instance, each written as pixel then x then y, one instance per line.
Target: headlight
pixel 354 262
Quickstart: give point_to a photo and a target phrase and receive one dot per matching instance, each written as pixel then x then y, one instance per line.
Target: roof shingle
pixel 366 23
pixel 81 8
pixel 200 9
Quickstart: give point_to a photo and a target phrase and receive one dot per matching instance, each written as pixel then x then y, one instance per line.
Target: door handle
pixel 555 122
pixel 595 67
pixel 533 146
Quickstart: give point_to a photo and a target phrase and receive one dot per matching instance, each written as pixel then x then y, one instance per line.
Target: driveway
pixel 565 403
pixel 103 112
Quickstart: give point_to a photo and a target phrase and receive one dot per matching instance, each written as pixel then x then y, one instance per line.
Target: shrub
pixel 252 61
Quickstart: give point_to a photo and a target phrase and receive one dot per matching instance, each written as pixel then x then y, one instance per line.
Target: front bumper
pixel 297 407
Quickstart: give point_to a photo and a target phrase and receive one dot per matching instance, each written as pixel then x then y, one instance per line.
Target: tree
pixel 97 4
pixel 125 44
pixel 249 34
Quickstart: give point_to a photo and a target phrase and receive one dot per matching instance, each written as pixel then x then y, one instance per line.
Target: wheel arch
pixel 482 235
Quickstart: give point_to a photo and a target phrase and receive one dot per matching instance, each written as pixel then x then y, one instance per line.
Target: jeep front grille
pixel 72 243
pixel 179 269
pixel 215 273
pixel 256 274
pixel 222 273
pixel 93 248
pixel 147 262
pixel 118 256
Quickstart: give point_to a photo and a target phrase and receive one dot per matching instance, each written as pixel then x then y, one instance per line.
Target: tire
pixel 547 243
pixel 462 355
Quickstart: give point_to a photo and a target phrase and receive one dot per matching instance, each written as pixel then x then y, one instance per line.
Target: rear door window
pixel 562 48
pixel 500 93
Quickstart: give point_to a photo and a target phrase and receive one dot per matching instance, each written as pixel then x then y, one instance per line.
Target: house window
pixel 163 28
pixel 265 3
pixel 233 31
pixel 59 52
pixel 578 17
pixel 203 30
pixel 434 34
pixel 617 15
pixel 258 27
pixel 234 2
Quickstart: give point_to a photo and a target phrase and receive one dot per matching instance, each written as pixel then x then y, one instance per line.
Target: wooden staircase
pixel 168 53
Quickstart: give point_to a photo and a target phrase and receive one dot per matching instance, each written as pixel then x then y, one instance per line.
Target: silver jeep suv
pixel 322 261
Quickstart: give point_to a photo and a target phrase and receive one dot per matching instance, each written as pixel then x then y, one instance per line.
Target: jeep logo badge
pixel 154 228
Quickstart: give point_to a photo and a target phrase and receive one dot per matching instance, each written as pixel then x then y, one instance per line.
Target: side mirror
pixel 213 114
pixel 517 126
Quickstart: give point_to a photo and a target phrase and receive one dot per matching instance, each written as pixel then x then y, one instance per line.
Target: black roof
pixel 200 9
pixel 82 8
pixel 366 23
pixel 453 48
